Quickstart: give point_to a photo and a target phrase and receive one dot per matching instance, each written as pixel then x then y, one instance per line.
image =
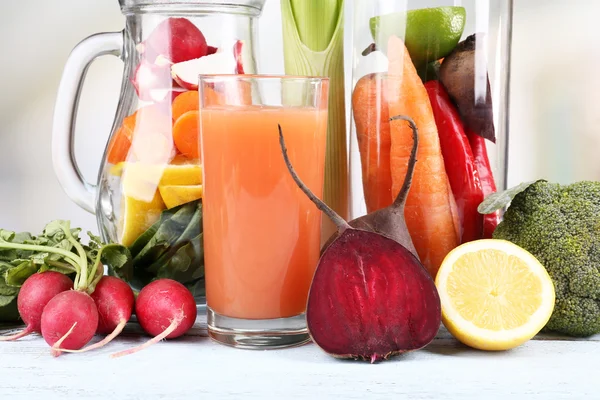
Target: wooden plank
pixel 195 367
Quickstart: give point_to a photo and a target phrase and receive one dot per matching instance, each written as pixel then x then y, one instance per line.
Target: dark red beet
pixel 33 296
pixel 177 39
pixel 370 297
pixel 165 309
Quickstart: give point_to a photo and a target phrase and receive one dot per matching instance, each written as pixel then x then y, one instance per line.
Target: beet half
pixel 370 297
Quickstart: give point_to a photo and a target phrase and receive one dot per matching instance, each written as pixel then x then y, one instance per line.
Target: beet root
pixel 468 85
pixel 33 296
pixel 69 321
pixel 371 299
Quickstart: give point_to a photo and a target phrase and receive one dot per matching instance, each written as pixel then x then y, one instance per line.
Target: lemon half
pixel 494 294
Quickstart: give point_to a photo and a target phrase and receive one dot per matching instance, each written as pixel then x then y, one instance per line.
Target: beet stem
pixel 16 336
pixel 174 324
pixel 101 343
pixel 403 194
pixel 56 346
pixel 341 224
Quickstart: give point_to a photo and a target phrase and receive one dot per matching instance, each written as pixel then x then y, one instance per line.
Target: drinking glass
pixel 261 233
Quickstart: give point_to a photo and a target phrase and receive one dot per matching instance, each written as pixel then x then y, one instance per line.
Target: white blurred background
pixel 555 96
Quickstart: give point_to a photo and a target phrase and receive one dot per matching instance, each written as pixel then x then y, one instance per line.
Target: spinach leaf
pixel 166 236
pixel 171 248
pixel 16 276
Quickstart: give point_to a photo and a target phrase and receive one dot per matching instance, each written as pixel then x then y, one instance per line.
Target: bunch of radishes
pixel 175 54
pixel 68 318
pixel 68 313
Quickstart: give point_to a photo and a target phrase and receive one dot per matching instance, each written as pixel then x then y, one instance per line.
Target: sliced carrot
pixel 371 116
pixel 430 208
pixel 185 102
pixel 119 146
pixel 185 134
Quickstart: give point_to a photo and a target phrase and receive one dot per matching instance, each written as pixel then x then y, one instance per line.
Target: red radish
pixel 114 300
pixel 211 50
pixel 370 297
pixel 35 293
pixel 165 309
pixel 177 39
pixel 149 78
pixel 186 73
pixel 69 320
pixel 243 57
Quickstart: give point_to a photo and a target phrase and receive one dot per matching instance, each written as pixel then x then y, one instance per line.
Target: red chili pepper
pixel 459 161
pixel 490 221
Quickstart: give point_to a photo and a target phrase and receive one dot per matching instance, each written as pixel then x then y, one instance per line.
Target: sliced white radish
pixel 186 73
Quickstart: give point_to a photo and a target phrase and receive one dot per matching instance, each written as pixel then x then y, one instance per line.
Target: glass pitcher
pixel 148 195
pixel 445 64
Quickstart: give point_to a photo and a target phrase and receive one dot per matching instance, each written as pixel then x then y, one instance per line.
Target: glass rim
pixel 222 77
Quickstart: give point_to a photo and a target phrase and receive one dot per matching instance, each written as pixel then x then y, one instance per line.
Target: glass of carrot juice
pixel 261 233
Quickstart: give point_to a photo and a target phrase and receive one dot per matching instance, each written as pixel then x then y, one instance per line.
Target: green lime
pixel 429 33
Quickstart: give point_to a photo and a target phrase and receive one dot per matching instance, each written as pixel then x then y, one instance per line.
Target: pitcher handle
pixel 83 193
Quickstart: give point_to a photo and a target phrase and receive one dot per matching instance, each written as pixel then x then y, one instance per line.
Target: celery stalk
pixel 313 38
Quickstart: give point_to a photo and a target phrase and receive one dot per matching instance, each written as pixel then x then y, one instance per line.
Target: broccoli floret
pixel 560 225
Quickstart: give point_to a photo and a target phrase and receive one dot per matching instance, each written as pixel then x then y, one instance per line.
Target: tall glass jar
pixel 445 64
pixel 148 195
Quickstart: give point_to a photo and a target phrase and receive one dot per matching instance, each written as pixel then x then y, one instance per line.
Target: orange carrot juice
pixel 261 233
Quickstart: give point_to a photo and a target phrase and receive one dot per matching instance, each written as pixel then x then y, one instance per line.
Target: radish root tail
pixel 56 346
pixel 341 224
pixel 16 336
pixel 174 324
pixel 101 343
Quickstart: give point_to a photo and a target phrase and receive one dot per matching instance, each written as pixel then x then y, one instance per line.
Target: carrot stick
pixel 371 117
pixel 430 211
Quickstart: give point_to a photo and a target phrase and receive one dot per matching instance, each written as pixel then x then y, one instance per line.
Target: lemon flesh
pixel 137 216
pixel 175 195
pixel 429 33
pixel 494 294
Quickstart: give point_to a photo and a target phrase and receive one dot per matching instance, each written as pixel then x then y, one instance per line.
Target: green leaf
pixel 142 240
pixel 6 235
pixel 197 288
pixel 115 256
pixel 6 290
pixel 166 236
pixel 16 276
pixel 57 266
pixel 6 300
pixel 499 200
